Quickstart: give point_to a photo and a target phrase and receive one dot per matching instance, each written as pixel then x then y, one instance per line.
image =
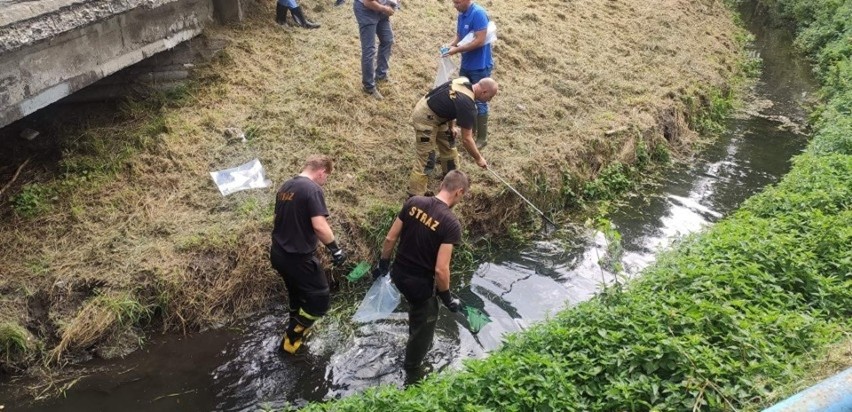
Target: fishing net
pixel 476 319
pixel 358 272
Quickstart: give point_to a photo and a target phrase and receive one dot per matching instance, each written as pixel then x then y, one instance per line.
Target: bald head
pixel 485 89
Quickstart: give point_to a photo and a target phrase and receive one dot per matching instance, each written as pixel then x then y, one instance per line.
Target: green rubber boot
pixel 481 131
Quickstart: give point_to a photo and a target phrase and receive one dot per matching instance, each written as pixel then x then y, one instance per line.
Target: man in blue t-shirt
pixel 476 60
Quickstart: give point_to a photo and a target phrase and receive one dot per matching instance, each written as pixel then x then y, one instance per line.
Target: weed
pixel 15 343
pixel 378 221
pixel 127 310
pixel 34 199
pixel 612 181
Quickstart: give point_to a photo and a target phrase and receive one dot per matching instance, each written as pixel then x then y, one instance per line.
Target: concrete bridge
pixel 50 49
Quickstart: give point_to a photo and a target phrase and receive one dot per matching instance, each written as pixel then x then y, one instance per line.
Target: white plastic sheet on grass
pixel 245 176
pixel 381 300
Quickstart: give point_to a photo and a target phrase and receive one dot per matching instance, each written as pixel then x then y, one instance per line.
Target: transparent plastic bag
pixel 380 301
pixel 446 69
pixel 245 176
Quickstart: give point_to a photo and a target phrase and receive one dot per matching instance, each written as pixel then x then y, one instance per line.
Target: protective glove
pixel 451 302
pixel 381 269
pixel 338 256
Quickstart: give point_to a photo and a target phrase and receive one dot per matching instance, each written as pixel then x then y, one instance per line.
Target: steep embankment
pixel 128 226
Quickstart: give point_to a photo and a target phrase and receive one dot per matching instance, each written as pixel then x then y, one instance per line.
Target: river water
pixel 239 368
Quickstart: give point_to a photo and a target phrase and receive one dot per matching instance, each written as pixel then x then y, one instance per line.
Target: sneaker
pixel 340 2
pixel 383 79
pixel 374 94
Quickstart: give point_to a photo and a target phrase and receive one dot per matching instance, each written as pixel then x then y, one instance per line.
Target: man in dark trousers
pixel 427 230
pixel 300 220
pixel 434 119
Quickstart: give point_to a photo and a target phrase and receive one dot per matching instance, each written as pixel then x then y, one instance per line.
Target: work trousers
pixel 307 288
pixel 422 318
pixel 431 135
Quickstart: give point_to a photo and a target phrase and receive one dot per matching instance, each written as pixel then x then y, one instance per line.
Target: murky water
pixel 240 369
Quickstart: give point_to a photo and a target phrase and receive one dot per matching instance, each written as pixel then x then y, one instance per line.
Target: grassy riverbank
pixel 122 228
pixel 738 317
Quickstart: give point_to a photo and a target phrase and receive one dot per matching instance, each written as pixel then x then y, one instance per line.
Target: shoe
pixel 374 93
pixel 340 2
pixel 385 79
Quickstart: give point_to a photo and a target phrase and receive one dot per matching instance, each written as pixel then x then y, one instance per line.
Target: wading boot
pixel 301 20
pixel 292 340
pixel 280 14
pixel 481 131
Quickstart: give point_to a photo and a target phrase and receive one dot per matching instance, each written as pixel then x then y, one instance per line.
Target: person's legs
pixel 385 33
pixel 422 118
pixel 307 300
pixel 422 318
pixel 480 129
pixel 367 23
pixel 424 162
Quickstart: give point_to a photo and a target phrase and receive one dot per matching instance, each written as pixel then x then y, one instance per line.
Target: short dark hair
pixel 455 180
pixel 317 162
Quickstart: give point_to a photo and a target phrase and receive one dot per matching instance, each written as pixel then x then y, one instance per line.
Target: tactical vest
pixel 458 86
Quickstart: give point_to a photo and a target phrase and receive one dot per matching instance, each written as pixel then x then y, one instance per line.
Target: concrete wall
pixel 39 66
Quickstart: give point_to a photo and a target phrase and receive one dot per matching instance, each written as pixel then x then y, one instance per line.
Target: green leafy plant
pixel 34 199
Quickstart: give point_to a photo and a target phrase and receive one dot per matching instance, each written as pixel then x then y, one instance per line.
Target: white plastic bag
pixel 245 176
pixel 446 70
pixel 380 301
pixel 490 35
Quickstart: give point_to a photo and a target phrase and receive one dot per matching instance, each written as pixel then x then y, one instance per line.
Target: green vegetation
pixel 15 343
pixel 33 200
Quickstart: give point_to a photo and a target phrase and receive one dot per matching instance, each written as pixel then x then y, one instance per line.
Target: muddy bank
pixel 125 231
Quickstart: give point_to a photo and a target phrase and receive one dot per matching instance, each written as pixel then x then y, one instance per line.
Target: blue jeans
pixel 290 4
pixel 475 76
pixel 372 24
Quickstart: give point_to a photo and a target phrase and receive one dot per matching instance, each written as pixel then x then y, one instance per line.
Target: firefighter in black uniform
pixel 300 220
pixel 434 119
pixel 426 229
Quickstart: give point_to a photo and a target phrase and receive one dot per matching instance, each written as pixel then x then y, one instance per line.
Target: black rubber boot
pixel 280 14
pixel 301 20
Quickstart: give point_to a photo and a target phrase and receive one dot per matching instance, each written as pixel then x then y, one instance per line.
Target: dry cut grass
pixel 145 223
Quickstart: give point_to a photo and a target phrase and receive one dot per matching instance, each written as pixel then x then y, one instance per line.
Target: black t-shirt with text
pixel 427 222
pixel 461 108
pixel 298 200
